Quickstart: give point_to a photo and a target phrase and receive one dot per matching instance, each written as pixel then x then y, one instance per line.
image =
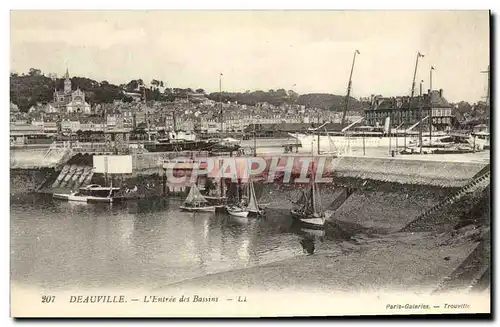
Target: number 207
pixel 48 298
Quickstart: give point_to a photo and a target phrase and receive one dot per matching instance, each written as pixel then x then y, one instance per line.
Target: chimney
pixel 440 93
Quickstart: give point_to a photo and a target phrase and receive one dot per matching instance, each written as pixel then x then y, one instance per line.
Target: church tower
pixel 67 83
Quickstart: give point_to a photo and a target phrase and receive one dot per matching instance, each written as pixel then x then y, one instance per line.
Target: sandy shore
pixel 408 262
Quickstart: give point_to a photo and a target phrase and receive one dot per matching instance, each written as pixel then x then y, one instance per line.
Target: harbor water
pixel 61 245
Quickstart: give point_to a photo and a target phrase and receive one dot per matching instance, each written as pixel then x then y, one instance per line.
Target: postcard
pixel 249 163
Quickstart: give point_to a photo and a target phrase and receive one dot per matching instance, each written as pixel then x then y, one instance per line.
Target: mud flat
pixel 363 250
pixel 399 262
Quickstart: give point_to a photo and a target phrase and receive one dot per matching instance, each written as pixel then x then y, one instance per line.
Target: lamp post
pixel 220 101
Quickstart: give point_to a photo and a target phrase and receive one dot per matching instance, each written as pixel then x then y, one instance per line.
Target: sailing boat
pixel 251 208
pixel 310 209
pixel 195 201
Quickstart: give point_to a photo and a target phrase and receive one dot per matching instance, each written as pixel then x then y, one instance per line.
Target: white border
pixel 185 4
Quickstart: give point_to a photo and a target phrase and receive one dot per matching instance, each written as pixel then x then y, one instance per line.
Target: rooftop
pixel 433 98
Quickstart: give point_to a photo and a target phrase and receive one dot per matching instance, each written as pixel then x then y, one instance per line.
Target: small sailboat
pixel 72 196
pixel 239 208
pixel 238 211
pixel 195 201
pixel 251 209
pixel 310 210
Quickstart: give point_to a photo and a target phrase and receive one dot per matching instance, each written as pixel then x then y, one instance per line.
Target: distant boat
pixel 195 201
pixel 180 141
pixel 355 140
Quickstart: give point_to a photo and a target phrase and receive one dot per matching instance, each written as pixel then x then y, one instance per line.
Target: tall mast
pixel 431 120
pixel 220 101
pixel 430 77
pixel 254 140
pixel 349 85
pixel 488 93
pixel 411 100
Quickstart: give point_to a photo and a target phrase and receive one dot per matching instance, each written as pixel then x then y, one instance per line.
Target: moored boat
pixel 73 196
pixel 250 209
pixel 98 193
pixel 253 207
pixel 196 202
pixel 343 141
pixel 237 211
pixel 309 211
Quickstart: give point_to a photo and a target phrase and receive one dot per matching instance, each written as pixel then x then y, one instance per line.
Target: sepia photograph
pixel 249 163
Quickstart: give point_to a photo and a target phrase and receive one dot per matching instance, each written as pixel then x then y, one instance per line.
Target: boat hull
pixel 221 209
pixel 198 209
pixel 341 143
pixel 237 212
pixel 255 213
pixel 69 197
pixel 311 222
pixel 99 199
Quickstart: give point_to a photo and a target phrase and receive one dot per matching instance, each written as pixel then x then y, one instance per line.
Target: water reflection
pixel 142 243
pixel 308 245
pixel 309 237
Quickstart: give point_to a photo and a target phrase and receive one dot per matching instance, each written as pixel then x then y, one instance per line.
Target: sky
pixel 306 51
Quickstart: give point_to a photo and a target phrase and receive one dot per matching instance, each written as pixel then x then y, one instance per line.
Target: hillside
pixel 27 90
pixel 318 100
pixel 328 101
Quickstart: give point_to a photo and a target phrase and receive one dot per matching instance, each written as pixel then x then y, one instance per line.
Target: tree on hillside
pixel 293 96
pixel 127 99
pixel 155 83
pixel 34 72
pixel 132 85
pixel 28 90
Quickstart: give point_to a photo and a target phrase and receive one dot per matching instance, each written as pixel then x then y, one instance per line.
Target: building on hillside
pixel 431 104
pixel 68 101
pixel 70 126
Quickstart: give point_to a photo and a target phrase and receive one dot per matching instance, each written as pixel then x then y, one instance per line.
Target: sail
pixel 252 199
pixel 309 204
pixel 316 204
pixel 302 200
pixel 195 196
pixel 304 203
